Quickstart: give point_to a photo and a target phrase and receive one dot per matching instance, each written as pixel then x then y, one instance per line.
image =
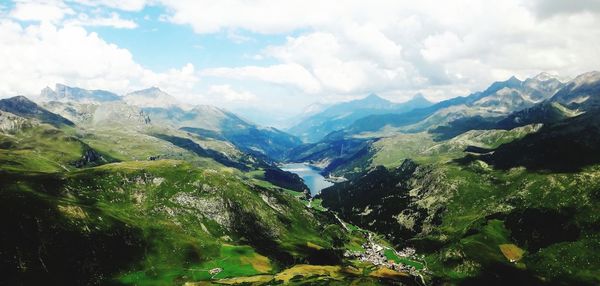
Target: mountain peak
pixel 544 76
pixel 47 89
pixel 587 77
pixel 150 97
pixel 151 89
pixel 419 97
pixel 22 106
pixel 373 98
pixel 513 79
pixel 148 92
pixel 372 95
pixel 512 82
pixel 20 98
pixel 17 104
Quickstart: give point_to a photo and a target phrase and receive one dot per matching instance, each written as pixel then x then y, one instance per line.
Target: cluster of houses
pixel 375 254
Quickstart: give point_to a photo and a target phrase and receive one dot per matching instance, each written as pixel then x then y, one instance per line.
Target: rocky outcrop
pixel 10 123
pixel 90 157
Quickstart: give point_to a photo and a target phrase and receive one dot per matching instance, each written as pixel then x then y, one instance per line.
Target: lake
pixel 313 180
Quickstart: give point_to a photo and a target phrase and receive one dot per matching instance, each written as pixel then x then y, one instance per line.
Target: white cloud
pixel 441 47
pixel 50 11
pixel 318 63
pixel 179 82
pixel 397 46
pixel 339 68
pixel 36 56
pixel 286 74
pixel 114 21
pixel 57 12
pixel 393 47
pixel 227 93
pixel 549 8
pixel 126 5
pixel 257 16
pixel 237 38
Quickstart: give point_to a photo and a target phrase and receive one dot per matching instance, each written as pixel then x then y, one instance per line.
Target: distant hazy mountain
pixel 446 119
pixel 65 93
pixel 341 115
pixel 265 117
pixel 150 97
pixel 498 100
pixel 313 109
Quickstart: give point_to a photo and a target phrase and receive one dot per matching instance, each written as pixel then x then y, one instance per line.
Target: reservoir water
pixel 313 180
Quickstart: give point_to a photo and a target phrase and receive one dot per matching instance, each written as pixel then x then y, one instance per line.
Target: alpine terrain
pixel 196 143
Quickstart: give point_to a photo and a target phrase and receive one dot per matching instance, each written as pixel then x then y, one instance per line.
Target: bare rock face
pixel 580 93
pixel 63 93
pixel 90 157
pixel 152 97
pixel 80 113
pixel 10 123
pixel 103 114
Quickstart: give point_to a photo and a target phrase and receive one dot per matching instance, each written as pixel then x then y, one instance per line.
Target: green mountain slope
pixel 497 107
pixel 488 207
pixel 219 124
pixel 138 203
pixel 500 187
pixel 565 146
pixel 157 220
pixel 478 225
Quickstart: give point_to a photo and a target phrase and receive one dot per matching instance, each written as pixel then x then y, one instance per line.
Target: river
pixel 313 180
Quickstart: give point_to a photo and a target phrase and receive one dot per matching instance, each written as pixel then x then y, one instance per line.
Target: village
pixel 375 254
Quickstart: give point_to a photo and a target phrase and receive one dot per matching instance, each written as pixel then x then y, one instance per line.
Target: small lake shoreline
pixel 311 175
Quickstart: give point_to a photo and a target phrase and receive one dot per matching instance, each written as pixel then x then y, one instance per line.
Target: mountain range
pixel 501 186
pixel 499 99
pixel 341 115
pixel 488 109
pixel 150 106
pixel 481 200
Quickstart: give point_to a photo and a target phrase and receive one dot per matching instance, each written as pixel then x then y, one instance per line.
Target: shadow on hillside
pixel 564 147
pixel 193 147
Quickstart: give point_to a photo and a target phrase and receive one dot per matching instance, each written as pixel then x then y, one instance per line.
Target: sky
pixel 274 58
